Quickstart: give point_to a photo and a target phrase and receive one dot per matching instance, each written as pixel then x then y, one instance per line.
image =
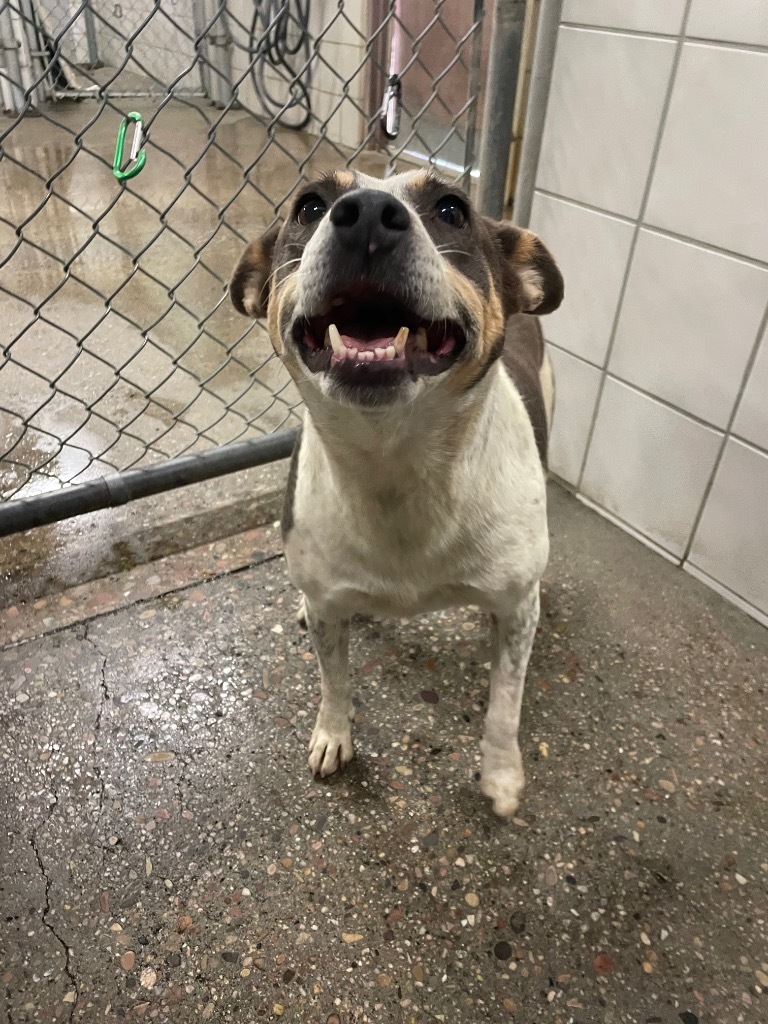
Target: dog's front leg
pixel 331 743
pixel 512 636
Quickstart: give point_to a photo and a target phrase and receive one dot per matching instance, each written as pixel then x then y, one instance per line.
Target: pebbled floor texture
pixel 166 855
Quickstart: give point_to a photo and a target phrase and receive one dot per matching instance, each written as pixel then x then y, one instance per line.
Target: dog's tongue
pixel 357 336
pixel 365 339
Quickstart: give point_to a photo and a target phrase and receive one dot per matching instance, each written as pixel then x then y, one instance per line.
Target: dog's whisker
pixel 282 266
pixel 445 251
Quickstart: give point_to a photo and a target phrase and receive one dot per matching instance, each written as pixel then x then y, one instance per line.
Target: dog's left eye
pixel 312 208
pixel 452 211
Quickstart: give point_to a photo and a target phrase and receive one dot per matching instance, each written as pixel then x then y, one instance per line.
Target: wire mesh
pixel 119 346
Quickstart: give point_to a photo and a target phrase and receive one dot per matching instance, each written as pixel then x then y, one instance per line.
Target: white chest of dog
pixel 417 482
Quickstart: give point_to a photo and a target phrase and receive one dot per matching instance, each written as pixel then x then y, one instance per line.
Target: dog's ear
pixel 531 280
pixel 249 287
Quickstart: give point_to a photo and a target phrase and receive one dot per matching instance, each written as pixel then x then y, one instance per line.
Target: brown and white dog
pixel 418 480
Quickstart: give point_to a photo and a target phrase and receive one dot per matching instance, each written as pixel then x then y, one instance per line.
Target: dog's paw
pixel 330 748
pixel 301 614
pixel 504 787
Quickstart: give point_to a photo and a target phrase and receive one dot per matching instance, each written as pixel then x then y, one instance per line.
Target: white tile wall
pixel 710 179
pixel 688 324
pixel 635 109
pixel 738 21
pixel 639 15
pixel 605 104
pixel 592 250
pixel 577 385
pixel 731 543
pixel 752 417
pixel 649 465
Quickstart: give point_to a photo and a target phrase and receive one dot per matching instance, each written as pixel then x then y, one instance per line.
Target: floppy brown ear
pixel 531 280
pixel 248 287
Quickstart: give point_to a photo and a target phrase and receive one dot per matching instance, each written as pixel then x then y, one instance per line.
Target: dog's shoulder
pixel 523 357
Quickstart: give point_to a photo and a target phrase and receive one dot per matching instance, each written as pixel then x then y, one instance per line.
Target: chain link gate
pixel 120 349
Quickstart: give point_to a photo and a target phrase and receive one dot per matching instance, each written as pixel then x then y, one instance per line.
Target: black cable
pixel 280 38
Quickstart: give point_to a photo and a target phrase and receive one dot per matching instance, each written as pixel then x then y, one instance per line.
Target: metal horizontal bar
pixel 94 93
pixel 119 488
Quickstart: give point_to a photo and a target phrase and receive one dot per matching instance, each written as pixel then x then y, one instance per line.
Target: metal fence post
pixel 473 93
pixel 538 95
pixel 218 52
pixel 32 67
pixel 91 37
pixel 13 93
pixel 199 21
pixel 500 93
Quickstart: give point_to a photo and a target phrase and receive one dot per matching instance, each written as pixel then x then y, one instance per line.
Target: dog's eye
pixel 311 209
pixel 452 211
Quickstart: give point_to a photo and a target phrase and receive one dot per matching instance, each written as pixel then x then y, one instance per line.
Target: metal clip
pixel 138 155
pixel 389 118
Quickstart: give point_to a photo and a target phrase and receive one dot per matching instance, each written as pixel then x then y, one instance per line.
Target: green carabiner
pixel 138 155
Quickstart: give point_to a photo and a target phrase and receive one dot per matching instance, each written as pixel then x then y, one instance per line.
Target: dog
pixel 418 480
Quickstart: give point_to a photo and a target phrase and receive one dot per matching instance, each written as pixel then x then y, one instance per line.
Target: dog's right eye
pixel 312 208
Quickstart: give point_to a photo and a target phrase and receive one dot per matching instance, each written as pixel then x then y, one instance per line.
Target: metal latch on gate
pixel 389 119
pixel 138 155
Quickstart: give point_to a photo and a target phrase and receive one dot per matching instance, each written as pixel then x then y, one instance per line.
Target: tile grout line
pixel 728 593
pixel 727 435
pixel 667 404
pixel 635 236
pixel 613 30
pixel 655 229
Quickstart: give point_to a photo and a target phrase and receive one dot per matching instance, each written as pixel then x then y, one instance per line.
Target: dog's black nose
pixel 369 220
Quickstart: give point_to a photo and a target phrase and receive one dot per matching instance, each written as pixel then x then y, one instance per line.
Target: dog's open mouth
pixel 366 329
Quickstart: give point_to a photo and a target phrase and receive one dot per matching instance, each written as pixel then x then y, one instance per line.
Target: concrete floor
pixel 168 857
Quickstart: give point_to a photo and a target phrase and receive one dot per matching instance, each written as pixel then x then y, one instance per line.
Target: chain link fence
pixel 119 346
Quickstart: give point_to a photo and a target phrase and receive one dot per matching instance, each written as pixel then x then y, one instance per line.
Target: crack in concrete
pixel 105 696
pixel 182 783
pixel 47 907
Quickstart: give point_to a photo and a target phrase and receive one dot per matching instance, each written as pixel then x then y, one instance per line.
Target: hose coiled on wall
pixel 280 40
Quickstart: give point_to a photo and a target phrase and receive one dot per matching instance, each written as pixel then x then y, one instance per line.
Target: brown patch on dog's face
pixel 345 179
pixel 359 260
pixel 488 315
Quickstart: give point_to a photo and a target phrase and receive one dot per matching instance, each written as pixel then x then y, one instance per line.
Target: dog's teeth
pixel 390 352
pixel 381 353
pixel 367 356
pixel 351 353
pixel 333 335
pixel 400 341
pixel 421 339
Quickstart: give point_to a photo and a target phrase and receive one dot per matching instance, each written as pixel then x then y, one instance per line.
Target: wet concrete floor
pixel 167 857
